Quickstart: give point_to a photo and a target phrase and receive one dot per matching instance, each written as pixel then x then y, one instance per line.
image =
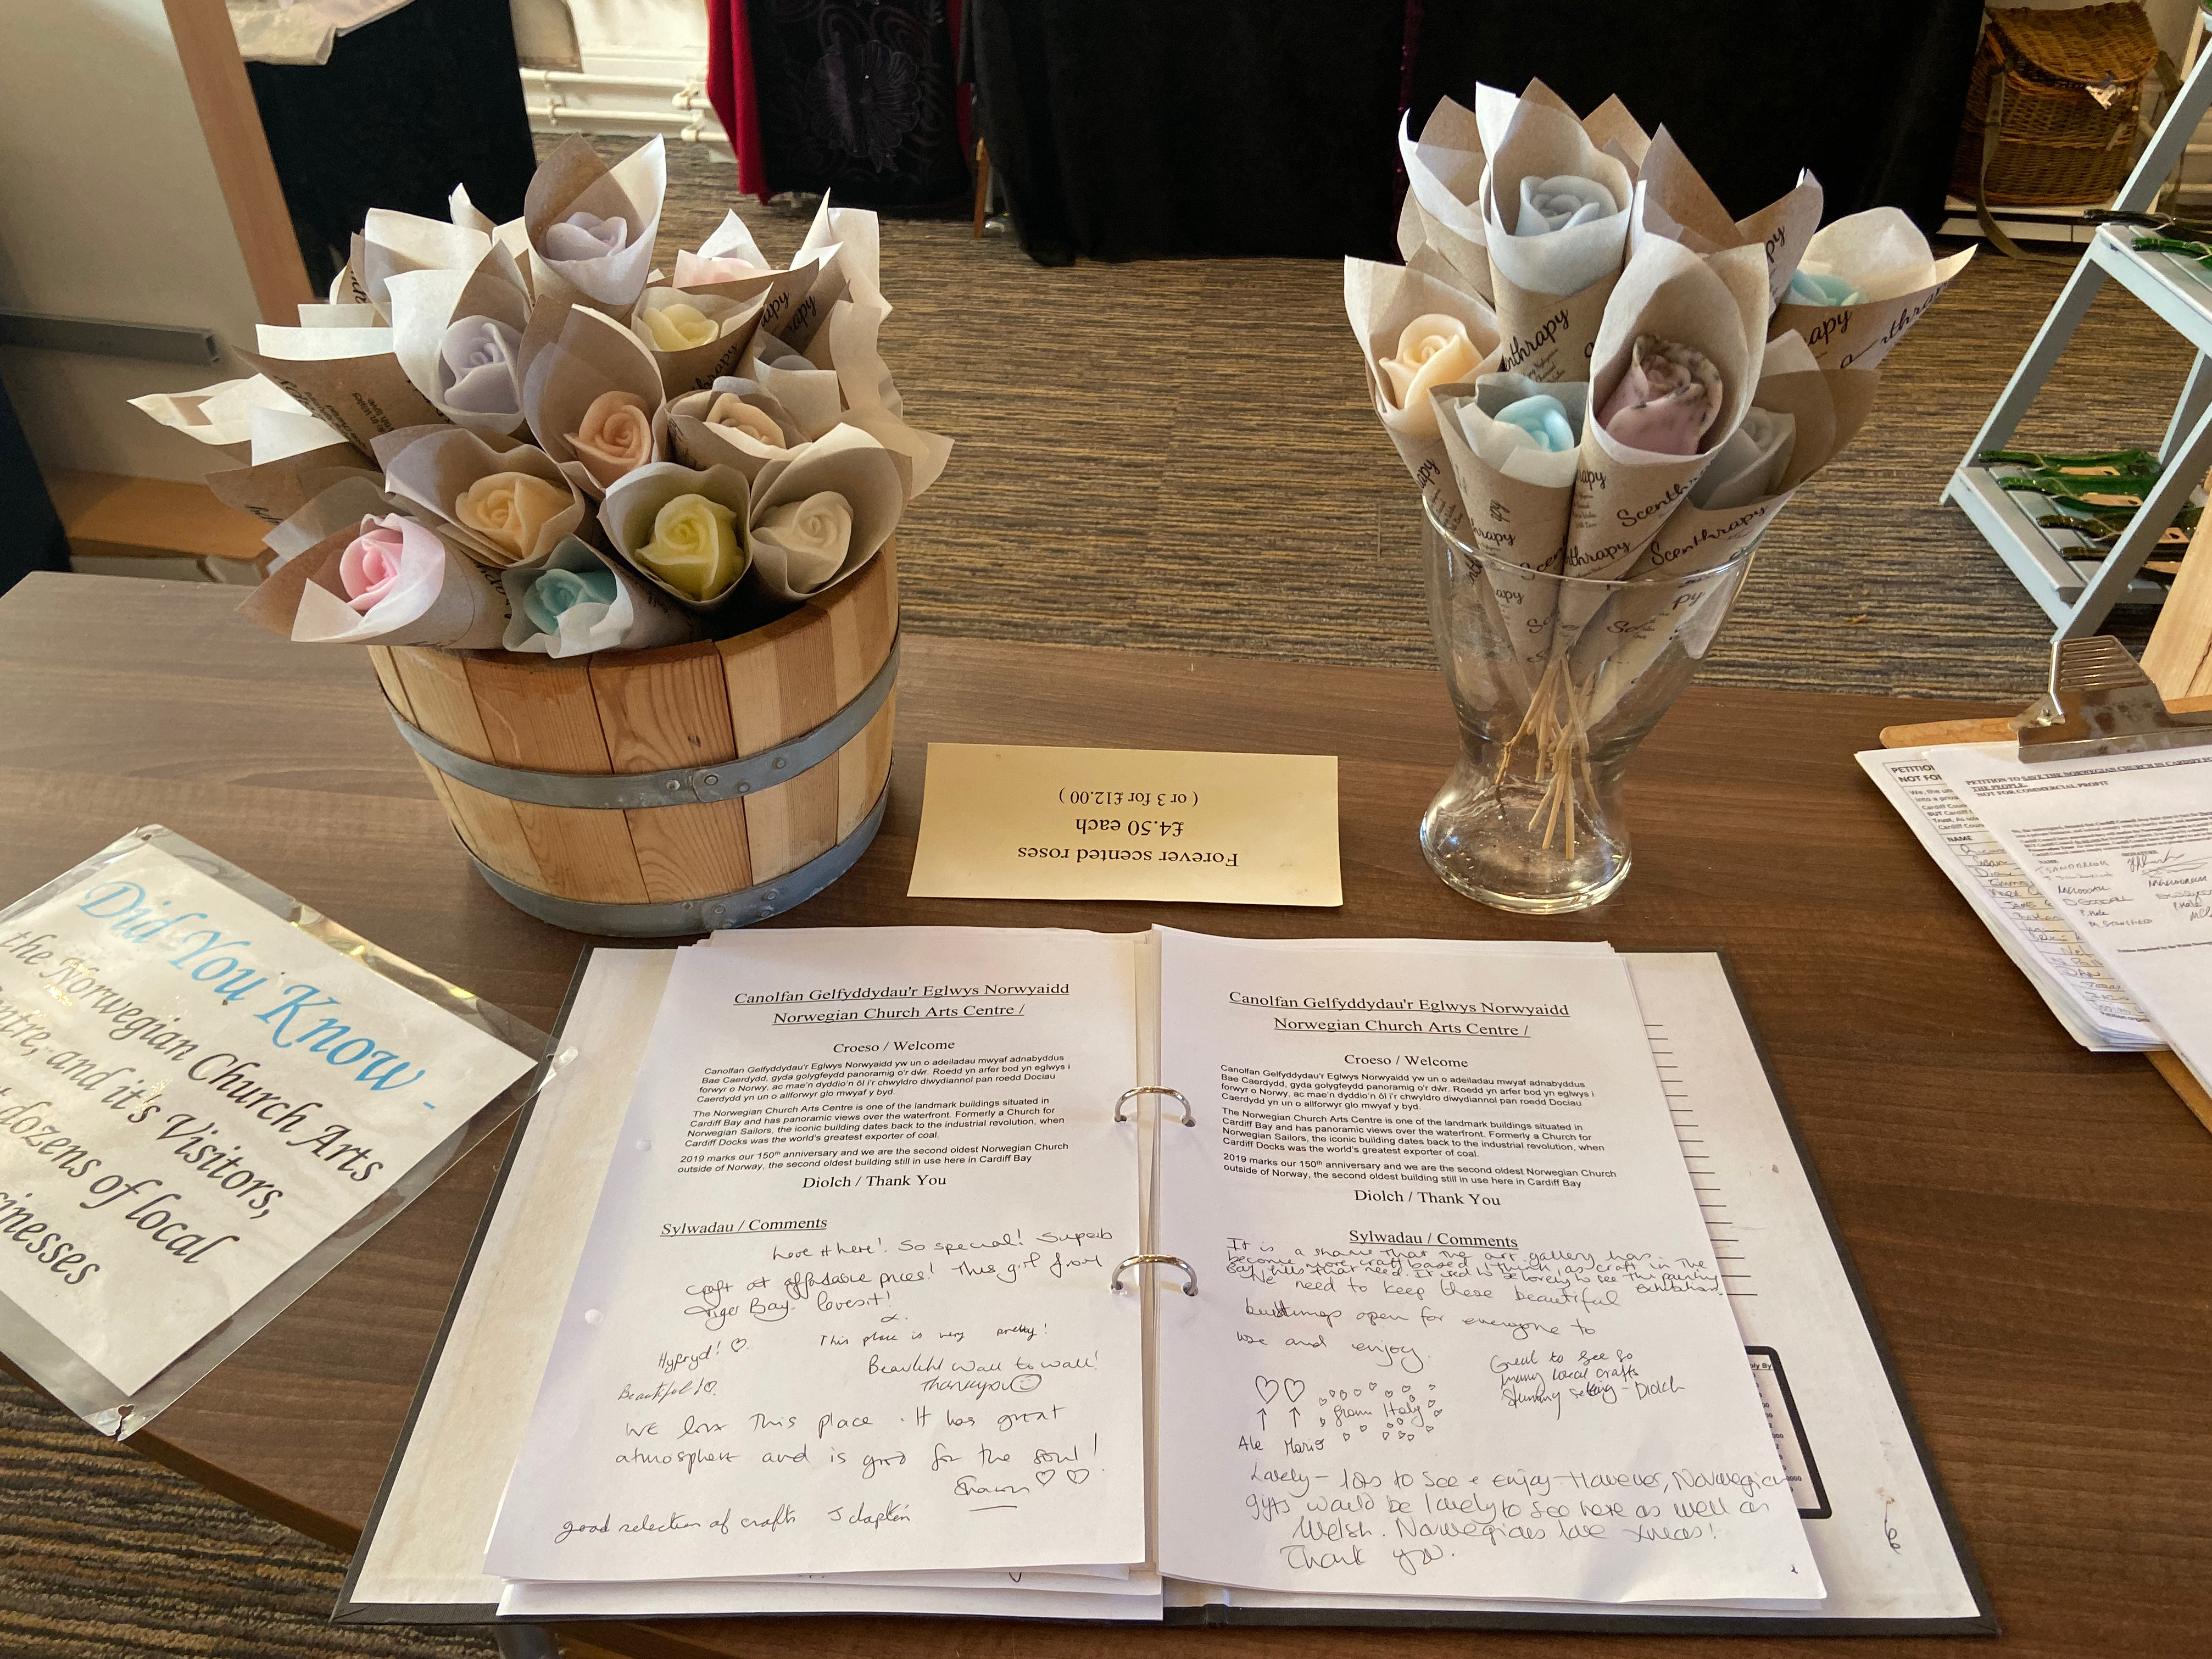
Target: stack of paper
pixel 2094 875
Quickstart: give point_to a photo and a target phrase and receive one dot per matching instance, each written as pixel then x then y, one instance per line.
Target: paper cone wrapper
pixel 573 180
pixel 391 243
pixel 778 291
pixel 274 491
pixel 1551 290
pixel 441 598
pixel 695 367
pixel 814 397
pixel 1784 227
pixel 359 397
pixel 591 353
pixel 425 303
pixel 858 233
pixel 1828 407
pixel 279 434
pixel 1633 629
pixel 1444 197
pixel 1673 202
pixel 1520 524
pixel 693 443
pixel 341 505
pixel 848 462
pixel 1883 252
pixel 849 343
pixel 1617 134
pixel 430 468
pixel 219 415
pixel 1379 301
pixel 640 618
pixel 799 326
pixel 627 515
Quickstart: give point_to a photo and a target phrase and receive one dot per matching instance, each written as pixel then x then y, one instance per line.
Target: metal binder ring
pixel 1190 1289
pixel 1189 1118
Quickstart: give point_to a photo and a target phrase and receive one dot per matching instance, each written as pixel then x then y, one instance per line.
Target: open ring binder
pixel 1148 1260
pixel 1189 1117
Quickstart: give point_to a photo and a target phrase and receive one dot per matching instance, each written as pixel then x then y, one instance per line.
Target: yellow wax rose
pixel 733 412
pixel 693 548
pixel 615 436
pixel 679 327
pixel 1433 350
pixel 508 509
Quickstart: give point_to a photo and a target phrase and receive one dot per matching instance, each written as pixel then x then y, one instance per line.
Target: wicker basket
pixel 2072 84
pixel 651 793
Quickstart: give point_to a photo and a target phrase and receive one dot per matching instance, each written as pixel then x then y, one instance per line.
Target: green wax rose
pixel 557 592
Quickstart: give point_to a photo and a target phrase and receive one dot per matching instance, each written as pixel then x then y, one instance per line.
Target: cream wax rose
pixel 508 509
pixel 615 435
pixel 679 327
pixel 734 413
pixel 693 548
pixel 814 535
pixel 1432 351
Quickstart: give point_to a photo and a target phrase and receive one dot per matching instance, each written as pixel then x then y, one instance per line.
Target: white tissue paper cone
pixel 872 401
pixel 347 378
pixel 1882 252
pixel 690 367
pixel 590 354
pixel 1379 302
pixel 640 618
pixel 846 461
pixel 1443 197
pixel 425 303
pixel 393 242
pixel 813 396
pixel 693 441
pixel 1673 202
pixel 1550 289
pixel 572 180
pixel 429 468
pixel 218 414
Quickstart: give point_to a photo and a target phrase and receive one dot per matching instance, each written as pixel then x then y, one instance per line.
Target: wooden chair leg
pixel 983 185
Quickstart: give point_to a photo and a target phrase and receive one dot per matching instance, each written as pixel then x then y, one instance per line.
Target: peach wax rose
pixel 1432 351
pixel 615 436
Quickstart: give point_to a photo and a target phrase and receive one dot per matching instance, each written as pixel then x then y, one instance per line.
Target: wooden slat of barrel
pixel 863 620
pixel 435 686
pixel 785 685
pixel 661 710
pixel 698 851
pixel 862 766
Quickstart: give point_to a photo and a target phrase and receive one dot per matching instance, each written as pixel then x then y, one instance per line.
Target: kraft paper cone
pixel 219 415
pixel 1672 201
pixel 1379 300
pixel 441 598
pixel 1617 134
pixel 694 367
pixel 1550 289
pixel 430 468
pixel 347 378
pixel 693 441
pixel 847 462
pixel 849 342
pixel 811 395
pixel 425 303
pixel 1882 252
pixel 591 354
pixel 340 505
pixel 1630 635
pixel 639 618
pixel 273 491
pixel 627 514
pixel 1784 229
pixel 573 180
pixel 1444 196
pixel 391 243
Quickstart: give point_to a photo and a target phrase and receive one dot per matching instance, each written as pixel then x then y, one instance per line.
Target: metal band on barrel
pixel 685 787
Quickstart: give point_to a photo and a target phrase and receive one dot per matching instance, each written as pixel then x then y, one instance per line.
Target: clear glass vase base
pixel 1503 844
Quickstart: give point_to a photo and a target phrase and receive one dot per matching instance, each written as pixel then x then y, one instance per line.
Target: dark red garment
pixel 730 90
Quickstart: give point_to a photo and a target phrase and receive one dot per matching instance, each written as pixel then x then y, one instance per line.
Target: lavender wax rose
pixel 476 367
pixel 587 236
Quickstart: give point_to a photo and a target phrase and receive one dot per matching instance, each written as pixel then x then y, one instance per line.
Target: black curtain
pixel 417 102
pixel 1869 96
pixel 1122 129
pixel 34 540
pixel 856 98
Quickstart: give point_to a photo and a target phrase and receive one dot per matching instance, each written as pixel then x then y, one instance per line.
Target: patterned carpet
pixel 1166 456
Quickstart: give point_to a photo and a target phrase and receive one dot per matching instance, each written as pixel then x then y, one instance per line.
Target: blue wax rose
pixel 1545 422
pixel 1809 287
pixel 558 591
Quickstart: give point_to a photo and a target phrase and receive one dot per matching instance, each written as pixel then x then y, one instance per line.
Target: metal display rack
pixel 2076 586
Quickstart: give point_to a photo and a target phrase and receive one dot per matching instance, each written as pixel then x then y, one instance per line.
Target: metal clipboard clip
pixel 1189 1117
pixel 1191 1284
pixel 2100 702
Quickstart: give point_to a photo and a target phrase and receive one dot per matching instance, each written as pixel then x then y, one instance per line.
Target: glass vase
pixel 1556 680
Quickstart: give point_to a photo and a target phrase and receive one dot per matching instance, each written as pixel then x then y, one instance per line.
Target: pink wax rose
pixel 1669 397
pixel 384 551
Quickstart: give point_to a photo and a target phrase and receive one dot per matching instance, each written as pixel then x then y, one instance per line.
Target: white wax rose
pixel 1432 351
pixel 814 535
pixel 680 327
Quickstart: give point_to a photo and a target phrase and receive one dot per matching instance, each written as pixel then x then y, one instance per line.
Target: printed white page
pixel 2122 845
pixel 194 1095
pixel 844 1304
pixel 1459 1330
pixel 2041 942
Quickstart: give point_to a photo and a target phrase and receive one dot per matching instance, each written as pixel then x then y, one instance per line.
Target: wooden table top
pixel 2033 1222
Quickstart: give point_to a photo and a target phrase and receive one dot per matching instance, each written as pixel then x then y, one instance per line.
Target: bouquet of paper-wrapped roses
pixel 523 436
pixel 1593 372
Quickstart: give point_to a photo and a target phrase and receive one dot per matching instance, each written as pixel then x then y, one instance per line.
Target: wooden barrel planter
pixel 648 793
